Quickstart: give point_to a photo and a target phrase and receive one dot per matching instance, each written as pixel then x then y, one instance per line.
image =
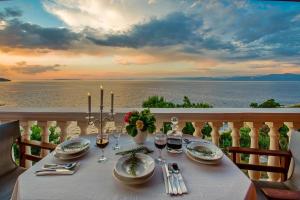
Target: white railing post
pixel 63 125
pixel 198 127
pixel 83 125
pixel 26 127
pixel 45 135
pixel 215 135
pixel 235 134
pixel 274 145
pixel 254 159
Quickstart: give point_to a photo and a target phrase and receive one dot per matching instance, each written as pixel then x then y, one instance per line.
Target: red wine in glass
pixel 160 144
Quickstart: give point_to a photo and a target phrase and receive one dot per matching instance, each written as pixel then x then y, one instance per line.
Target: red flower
pixel 127 117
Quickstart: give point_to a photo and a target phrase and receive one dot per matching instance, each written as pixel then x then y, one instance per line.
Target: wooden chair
pixel 9 171
pixel 290 187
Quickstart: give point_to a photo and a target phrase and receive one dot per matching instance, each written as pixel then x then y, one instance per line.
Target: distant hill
pixel 4 79
pixel 269 77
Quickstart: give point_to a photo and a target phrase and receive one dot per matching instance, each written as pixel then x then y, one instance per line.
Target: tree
pixel 270 103
pixel 157 102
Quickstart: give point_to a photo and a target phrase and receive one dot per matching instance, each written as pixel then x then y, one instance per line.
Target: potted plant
pixel 139 124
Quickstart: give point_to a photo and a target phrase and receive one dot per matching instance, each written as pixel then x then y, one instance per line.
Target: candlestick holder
pixel 101 120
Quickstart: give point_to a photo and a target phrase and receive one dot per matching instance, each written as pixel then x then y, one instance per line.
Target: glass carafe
pixel 174 138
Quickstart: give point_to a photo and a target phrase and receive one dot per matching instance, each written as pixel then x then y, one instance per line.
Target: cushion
pixel 294 181
pixel 9 132
pixel 7 183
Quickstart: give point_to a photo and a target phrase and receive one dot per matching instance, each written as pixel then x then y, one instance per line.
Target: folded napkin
pixel 142 149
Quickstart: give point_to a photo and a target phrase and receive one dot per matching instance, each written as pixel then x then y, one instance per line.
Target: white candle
pixel 112 102
pixel 101 95
pixel 89 102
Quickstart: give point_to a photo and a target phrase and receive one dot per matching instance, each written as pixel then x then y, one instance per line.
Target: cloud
pixel 23 68
pixel 10 12
pixel 107 16
pixel 26 35
pixel 175 29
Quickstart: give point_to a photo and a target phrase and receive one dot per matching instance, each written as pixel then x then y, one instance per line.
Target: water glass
pixel 116 135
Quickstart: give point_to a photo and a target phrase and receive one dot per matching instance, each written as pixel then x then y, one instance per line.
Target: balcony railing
pixel 216 117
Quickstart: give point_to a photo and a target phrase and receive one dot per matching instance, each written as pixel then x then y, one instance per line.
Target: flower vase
pixel 141 137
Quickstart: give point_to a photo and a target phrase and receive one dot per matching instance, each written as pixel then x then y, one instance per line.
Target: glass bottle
pixel 174 138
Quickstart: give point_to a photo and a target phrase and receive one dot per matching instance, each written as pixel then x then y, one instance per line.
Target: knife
pixel 165 179
pixel 180 178
pixel 171 190
pixel 172 179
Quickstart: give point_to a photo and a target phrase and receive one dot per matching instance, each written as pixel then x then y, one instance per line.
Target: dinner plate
pixel 215 162
pixel 201 150
pixel 144 166
pixel 72 146
pixel 135 181
pixel 70 156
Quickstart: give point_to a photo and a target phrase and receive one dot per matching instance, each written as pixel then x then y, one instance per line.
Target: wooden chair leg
pixel 22 155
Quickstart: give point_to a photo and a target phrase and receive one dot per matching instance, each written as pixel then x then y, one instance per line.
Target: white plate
pixel 216 153
pixel 69 147
pixel 201 161
pixel 145 166
pixel 136 181
pixel 71 156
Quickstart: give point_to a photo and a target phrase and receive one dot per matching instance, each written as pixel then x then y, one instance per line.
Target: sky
pixel 117 39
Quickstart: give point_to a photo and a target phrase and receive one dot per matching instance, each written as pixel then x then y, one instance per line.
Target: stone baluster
pixel 254 159
pixel 83 125
pixel 26 134
pixel 181 125
pixel 235 134
pixel 45 135
pixel 274 145
pixel 63 125
pixel 215 135
pixel 159 124
pixel 198 127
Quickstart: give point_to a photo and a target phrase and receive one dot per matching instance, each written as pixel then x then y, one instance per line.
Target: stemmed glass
pixel 102 142
pixel 160 141
pixel 116 135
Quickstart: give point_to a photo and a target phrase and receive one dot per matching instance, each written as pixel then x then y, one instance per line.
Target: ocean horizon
pixel 131 93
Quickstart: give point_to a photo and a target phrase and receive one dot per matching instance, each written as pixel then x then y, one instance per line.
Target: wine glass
pixel 160 141
pixel 102 142
pixel 116 135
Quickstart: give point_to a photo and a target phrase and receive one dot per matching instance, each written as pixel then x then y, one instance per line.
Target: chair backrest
pixel 9 132
pixel 295 149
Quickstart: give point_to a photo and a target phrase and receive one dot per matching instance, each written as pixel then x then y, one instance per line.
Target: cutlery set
pixel 174 183
pixel 57 169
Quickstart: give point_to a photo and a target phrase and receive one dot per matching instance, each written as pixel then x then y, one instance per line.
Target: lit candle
pixel 101 95
pixel 89 102
pixel 112 102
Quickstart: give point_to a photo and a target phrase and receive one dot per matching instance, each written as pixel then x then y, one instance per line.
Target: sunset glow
pixel 116 39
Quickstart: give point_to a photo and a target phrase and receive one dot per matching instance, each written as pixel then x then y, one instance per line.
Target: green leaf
pixel 131 130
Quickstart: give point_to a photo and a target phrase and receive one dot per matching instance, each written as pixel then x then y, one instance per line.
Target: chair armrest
pixel 284 168
pixel 34 143
pixel 281 194
pixel 260 151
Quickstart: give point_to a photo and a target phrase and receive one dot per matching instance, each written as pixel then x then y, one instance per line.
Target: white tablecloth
pixel 94 181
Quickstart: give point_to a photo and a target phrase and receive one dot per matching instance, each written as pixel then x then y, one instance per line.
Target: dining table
pixel 95 181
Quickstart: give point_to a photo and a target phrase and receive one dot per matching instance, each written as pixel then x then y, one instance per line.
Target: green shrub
pixel 188 129
pixel 206 130
pixel 36 135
